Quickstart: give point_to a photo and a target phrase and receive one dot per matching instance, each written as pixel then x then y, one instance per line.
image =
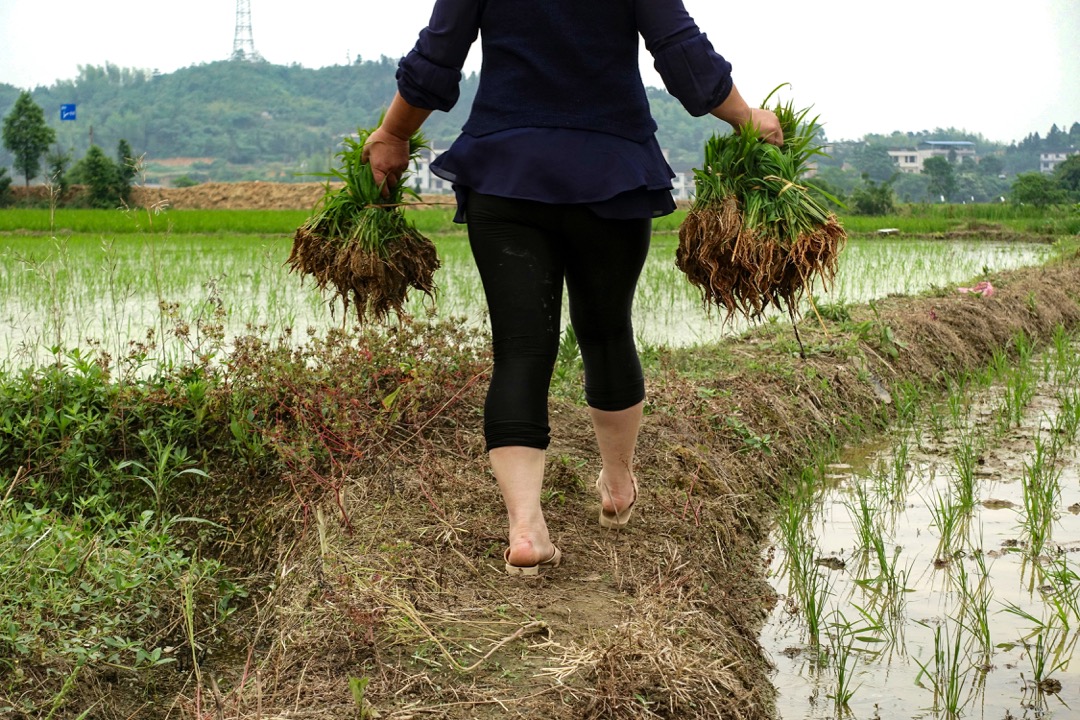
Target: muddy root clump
pixel 375 282
pixel 745 270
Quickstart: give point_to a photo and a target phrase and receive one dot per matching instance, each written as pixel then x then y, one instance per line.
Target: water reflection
pixel 112 291
pixel 925 543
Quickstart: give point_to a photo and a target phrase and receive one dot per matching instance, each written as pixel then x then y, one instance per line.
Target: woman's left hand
pixel 768 125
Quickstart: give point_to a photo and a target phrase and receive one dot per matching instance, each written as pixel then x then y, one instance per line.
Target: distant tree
pixel 127 165
pixel 977 187
pixel 126 160
pixel 185 181
pixel 829 195
pixel 911 187
pixel 1056 140
pixel 5 187
pixel 100 176
pixel 991 165
pixel 1067 176
pixel 1074 133
pixel 873 198
pixel 874 161
pixel 58 162
pixel 837 182
pixel 1031 142
pixel 942 178
pixel 27 136
pixel 1036 189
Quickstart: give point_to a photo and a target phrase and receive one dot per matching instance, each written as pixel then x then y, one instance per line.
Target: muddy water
pixel 931 631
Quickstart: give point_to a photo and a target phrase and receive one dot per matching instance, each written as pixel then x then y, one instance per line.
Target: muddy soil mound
pixel 213 196
pixel 244 196
pixel 232 196
pixel 208 196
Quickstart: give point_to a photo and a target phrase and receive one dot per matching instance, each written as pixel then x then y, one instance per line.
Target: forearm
pixel 733 110
pixel 402 120
pixel 387 148
pixel 736 112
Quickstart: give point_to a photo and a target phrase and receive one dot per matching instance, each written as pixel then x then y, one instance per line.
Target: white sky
pixel 997 67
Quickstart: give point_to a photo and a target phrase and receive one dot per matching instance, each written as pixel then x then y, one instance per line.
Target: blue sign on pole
pixel 67 111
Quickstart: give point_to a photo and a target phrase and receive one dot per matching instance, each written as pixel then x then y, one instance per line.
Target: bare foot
pixel 618 491
pixel 530 548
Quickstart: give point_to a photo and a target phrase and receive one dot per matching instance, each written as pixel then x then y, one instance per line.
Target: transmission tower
pixel 243 44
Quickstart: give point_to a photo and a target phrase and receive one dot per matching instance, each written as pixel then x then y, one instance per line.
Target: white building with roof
pixel 911 160
pixel 1048 161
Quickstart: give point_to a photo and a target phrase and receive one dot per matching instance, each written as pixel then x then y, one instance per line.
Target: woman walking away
pixel 558 174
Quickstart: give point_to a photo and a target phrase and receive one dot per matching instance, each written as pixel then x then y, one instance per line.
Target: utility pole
pixel 243 44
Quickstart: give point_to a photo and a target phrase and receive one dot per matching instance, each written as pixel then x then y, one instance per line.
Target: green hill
pixel 235 120
pixel 243 120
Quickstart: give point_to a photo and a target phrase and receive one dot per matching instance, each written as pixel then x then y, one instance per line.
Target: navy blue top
pixel 561 114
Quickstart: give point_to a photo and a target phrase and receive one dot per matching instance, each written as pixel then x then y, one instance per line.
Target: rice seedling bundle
pixel 757 235
pixel 359 244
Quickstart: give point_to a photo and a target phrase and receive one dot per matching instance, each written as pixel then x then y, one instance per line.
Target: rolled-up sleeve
pixel 692 71
pixel 430 75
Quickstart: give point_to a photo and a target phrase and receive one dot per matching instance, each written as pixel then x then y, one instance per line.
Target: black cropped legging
pixel 524 251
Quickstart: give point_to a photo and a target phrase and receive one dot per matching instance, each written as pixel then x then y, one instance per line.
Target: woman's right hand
pixel 388 156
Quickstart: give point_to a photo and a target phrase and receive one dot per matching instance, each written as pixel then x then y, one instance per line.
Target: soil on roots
pixel 745 270
pixel 375 283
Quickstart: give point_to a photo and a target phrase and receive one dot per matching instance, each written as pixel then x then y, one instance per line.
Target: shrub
pixel 101 177
pixel 185 181
pixel 873 199
pixel 5 187
pixel 58 162
pixel 1036 189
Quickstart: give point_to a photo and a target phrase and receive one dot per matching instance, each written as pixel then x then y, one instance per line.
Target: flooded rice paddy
pixel 937 575
pixel 85 289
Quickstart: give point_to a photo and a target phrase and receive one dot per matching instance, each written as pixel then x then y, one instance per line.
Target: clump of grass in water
pixel 864 514
pixel 1020 384
pixel 950 521
pixel 966 454
pixel 975 595
pixel 947 670
pixel 843 635
pixel 1041 480
pixel 1063 356
pixel 755 236
pixel 360 244
pixel 907 399
pixel 1051 651
pixel 1068 417
pixel 807 585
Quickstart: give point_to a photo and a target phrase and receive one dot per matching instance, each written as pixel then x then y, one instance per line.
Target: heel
pixel 620 518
